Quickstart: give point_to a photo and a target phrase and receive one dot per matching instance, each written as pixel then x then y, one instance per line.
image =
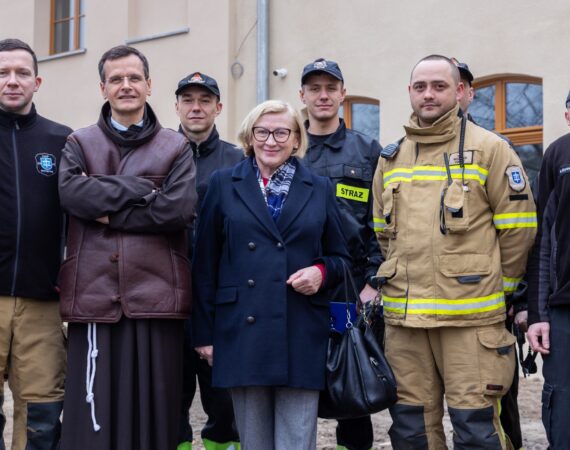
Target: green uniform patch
pixel 352 192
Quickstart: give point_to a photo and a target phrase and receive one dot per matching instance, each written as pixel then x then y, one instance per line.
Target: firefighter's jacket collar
pixel 442 130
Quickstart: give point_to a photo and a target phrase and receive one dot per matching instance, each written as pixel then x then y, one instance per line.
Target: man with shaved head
pixel 455 218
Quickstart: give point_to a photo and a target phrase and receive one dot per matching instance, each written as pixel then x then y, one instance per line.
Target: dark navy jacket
pixel 264 333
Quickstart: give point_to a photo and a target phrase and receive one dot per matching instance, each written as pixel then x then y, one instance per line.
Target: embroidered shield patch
pixel 516 178
pixel 45 164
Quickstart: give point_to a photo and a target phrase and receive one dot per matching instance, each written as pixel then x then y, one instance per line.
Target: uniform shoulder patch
pixel 516 179
pixel 45 164
pixel 564 170
pixel 391 150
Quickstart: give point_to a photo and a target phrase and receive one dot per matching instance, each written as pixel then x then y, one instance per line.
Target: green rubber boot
pixel 211 445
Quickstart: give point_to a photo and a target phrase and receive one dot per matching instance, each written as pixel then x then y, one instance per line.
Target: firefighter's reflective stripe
pixel 510 284
pixel 444 306
pixel 435 173
pixel 515 220
pixel 379 224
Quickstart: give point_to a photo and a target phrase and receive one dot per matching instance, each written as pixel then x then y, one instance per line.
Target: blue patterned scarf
pixel 277 189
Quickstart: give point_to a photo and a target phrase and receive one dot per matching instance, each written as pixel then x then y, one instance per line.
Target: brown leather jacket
pixel 136 264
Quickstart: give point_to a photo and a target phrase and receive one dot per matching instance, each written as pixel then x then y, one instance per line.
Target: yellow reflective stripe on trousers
pixel 443 306
pixel 515 220
pixel 501 429
pixel 510 284
pixel 379 224
pixel 435 173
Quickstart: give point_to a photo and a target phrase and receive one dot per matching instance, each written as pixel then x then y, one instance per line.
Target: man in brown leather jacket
pixel 128 186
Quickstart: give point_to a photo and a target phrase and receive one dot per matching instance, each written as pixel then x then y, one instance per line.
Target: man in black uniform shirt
pixel 549 295
pixel 197 105
pixel 349 159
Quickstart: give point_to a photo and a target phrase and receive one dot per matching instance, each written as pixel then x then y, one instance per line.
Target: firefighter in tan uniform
pixel 455 218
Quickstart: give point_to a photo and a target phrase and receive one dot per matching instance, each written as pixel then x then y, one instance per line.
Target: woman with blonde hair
pixel 269 243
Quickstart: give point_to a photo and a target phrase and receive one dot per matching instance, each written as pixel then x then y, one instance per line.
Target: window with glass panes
pixel 67 25
pixel 362 114
pixel 512 106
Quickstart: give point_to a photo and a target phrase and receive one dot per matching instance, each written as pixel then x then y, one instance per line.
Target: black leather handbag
pixel 359 380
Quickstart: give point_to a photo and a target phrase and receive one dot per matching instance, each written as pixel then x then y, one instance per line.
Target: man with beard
pixel 456 219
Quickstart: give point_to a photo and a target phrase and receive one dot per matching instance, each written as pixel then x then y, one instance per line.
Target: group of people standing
pixel 440 222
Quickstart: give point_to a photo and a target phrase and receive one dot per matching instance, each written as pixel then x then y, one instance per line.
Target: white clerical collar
pixel 120 127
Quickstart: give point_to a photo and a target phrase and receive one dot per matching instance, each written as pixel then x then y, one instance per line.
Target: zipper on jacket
pixel 197 177
pixel 18 209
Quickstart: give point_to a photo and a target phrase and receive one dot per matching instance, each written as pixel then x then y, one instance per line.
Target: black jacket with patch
pixel 31 227
pixel 211 155
pixel 349 159
pixel 549 268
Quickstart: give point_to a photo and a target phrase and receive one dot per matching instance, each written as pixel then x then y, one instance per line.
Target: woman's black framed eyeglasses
pixel 280 135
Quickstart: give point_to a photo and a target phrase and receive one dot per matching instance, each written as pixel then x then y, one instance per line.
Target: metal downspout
pixel 262 50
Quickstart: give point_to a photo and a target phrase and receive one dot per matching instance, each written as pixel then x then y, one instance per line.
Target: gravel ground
pixel 529 405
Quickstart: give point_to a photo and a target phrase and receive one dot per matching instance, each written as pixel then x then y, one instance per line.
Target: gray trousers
pixel 276 418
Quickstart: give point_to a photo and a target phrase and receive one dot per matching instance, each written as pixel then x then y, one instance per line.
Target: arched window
pixel 512 106
pixel 362 114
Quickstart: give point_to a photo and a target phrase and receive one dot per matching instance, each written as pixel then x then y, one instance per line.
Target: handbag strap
pixel 349 288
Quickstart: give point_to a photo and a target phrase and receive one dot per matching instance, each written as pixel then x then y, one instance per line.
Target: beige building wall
pixel 376 43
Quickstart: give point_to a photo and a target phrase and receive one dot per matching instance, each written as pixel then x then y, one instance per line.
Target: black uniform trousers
pixel 510 418
pixel 217 403
pixel 556 371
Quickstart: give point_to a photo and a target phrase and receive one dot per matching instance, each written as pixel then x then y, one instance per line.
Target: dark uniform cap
pixel 463 70
pixel 568 101
pixel 322 65
pixel 198 79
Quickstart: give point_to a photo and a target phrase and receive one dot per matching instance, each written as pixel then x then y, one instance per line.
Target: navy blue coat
pixel 265 333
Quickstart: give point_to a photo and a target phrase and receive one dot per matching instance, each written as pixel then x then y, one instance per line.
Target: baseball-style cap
pixel 324 66
pixel 198 79
pixel 568 101
pixel 463 70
